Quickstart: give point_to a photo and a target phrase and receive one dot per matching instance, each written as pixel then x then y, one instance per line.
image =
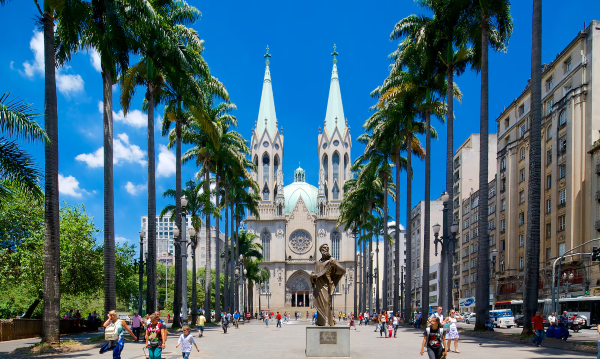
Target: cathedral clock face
pixel 300 241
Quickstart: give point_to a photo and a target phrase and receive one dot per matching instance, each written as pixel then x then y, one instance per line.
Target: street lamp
pixel 567 282
pixel 141 274
pixel 183 249
pixel 193 240
pixel 245 295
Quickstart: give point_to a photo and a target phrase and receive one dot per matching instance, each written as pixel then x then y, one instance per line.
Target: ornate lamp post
pixel 494 255
pixel 141 274
pixel 193 239
pixel 566 282
pixel 447 240
pixel 245 295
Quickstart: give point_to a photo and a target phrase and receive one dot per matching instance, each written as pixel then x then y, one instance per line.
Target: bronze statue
pixel 324 278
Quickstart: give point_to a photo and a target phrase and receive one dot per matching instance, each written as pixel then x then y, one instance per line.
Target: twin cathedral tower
pixel 296 219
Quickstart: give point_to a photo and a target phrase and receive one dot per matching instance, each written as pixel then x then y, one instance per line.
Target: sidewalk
pixel 9 346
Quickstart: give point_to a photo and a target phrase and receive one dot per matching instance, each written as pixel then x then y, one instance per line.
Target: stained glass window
pixel 300 241
pixel 266 244
pixel 335 245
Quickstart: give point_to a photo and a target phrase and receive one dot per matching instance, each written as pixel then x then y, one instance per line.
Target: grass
pixel 96 339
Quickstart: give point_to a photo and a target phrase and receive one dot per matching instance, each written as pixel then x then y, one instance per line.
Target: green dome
pixel 295 190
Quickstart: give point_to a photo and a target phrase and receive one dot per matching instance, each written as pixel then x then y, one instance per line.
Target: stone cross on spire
pixel 334 54
pixel 267 55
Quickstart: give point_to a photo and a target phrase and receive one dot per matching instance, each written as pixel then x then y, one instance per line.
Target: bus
pixel 589 307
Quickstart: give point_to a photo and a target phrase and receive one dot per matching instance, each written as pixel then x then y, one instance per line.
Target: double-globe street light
pixel 141 274
pixel 448 242
pixel 182 242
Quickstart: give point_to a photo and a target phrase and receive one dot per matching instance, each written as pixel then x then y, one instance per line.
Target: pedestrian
pixel 278 320
pixel 307 315
pixel 236 319
pixel 433 339
pixel 390 328
pixel 360 319
pixel 229 318
pixel 352 321
pixel 563 320
pixel 200 324
pixel 552 320
pixel 114 329
pixel 186 340
pixel 224 322
pixel 137 323
pixel 451 320
pixel 366 318
pixel 396 323
pixel 437 314
pixel 314 318
pixel 538 325
pixel 156 337
pixel 382 325
pixel 267 319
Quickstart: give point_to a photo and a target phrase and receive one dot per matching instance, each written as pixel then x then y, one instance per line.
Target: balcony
pixel 564 204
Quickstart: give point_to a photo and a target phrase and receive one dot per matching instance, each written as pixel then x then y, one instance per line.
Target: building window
pixel 266 192
pixel 492 241
pixel 503 163
pixel 549 83
pixel 521 218
pixel 502 265
pixel 568 65
pixel 562 144
pixel 474 263
pixel 548 205
pixel 521 263
pixel 475 217
pixel 549 156
pixel 562 171
pixel 466 252
pixel 562 196
pixel 549 105
pixel 473 277
pixel 491 225
pixel 522 175
pixel 521 240
pixel 503 185
pixel 562 118
pixel 503 204
pixel 549 132
pixel 491 209
pixel 475 232
pixel 503 225
pixel 265 238
pixel 548 230
pixel 548 181
pixel 522 155
pixel 522 130
pixel 502 245
pixel 466 237
pixel 521 110
pixel 466 280
pixel 466 223
pixel 492 192
pixel 507 123
pixel 562 222
pixel 548 254
pixel 335 162
pixel 266 162
pixel 522 197
pixel 335 244
pixel 561 249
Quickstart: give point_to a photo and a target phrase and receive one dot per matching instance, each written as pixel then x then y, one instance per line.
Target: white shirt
pixel 395 320
pixel 441 316
pixel 452 322
pixel 186 343
pixel 551 319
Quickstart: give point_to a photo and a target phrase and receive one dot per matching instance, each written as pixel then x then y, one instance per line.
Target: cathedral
pixel 296 219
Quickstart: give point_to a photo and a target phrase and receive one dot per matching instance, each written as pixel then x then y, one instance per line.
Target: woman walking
pixel 352 321
pixel 433 339
pixel 156 336
pixel 450 321
pixel 113 323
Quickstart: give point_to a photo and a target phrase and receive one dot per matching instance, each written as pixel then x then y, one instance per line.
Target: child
pixel 390 328
pixel 186 340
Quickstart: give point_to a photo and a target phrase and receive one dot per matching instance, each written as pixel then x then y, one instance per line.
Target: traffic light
pixel 596 253
pixel 587 288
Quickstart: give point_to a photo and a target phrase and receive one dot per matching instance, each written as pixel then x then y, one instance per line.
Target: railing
pixel 332 210
pixel 266 211
pixel 564 204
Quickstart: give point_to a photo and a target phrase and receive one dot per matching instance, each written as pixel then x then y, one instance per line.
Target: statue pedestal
pixel 328 342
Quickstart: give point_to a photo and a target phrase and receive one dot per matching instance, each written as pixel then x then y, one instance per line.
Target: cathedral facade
pixel 296 219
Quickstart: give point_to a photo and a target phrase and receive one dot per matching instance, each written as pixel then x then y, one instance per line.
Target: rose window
pixel 300 241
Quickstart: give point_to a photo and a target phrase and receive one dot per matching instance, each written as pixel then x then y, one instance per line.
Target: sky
pixel 300 36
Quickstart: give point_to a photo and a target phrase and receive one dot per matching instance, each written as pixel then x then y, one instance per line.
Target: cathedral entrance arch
pixel 299 289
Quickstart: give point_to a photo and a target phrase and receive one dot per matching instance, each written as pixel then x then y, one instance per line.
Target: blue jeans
pixel 598 356
pixel 186 355
pixel 136 332
pixel 115 345
pixel 539 336
pixel 278 323
pixel 267 321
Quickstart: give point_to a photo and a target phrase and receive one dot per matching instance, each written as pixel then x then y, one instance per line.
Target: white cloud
pixel 36 45
pixel 135 189
pixel 166 162
pixel 121 239
pixel 69 84
pixel 12 65
pixel 134 118
pixel 123 152
pixel 69 186
pixel 95 60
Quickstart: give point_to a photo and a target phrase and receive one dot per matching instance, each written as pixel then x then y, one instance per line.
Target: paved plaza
pixel 255 340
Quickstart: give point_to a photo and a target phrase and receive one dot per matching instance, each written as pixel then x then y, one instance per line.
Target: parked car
pixel 470 319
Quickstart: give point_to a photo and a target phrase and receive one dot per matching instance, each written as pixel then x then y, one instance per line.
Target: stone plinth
pixel 328 342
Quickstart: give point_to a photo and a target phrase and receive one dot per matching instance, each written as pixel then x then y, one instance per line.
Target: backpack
pixel 111 332
pixel 154 334
pixel 428 331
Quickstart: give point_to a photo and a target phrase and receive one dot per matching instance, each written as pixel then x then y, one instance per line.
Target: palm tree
pixel 18 120
pixel 194 209
pixel 53 11
pixel 490 25
pixel 532 259
pixel 252 257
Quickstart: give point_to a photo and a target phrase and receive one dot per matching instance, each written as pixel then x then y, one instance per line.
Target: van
pixel 502 318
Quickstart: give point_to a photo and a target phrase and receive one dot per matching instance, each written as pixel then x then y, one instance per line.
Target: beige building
pixel 569 200
pixel 295 220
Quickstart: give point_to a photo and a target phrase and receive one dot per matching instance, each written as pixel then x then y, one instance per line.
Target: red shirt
pixel 538 323
pixel 278 316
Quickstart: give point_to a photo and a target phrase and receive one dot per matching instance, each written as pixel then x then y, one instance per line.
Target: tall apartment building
pixel 390 264
pixel 467 247
pixel 166 245
pixel 418 230
pixel 569 176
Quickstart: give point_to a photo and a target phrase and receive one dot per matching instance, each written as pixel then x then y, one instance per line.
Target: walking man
pixel 201 321
pixel 267 319
pixel 278 320
pixel 538 326
pixel 137 325
pixel 236 319
pixel 224 322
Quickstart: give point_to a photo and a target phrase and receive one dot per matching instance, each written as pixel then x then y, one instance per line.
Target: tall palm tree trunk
pixel 182 248
pixel 110 296
pixel 227 254
pixel 231 261
pixel 50 320
pixel 217 254
pixel 447 247
pixel 385 239
pixel 532 257
pixel 365 281
pixel 370 288
pixel 377 294
pixel 409 279
pixel 151 233
pixel 356 292
pixel 427 221
pixel 482 289
pixel 397 240
pixel 207 279
pixel 237 246
pixel 194 289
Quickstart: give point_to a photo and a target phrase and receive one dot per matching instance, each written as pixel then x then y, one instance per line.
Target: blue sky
pixel 300 36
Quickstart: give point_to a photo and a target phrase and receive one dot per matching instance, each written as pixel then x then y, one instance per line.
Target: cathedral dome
pixel 299 188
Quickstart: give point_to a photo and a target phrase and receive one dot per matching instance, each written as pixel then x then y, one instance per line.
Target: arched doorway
pixel 299 288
